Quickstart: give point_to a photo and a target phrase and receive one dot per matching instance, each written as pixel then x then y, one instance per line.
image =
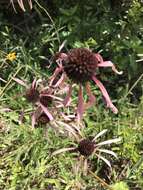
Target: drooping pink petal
pixel 69 128
pixel 68 117
pixel 20 2
pixel 110 64
pixel 11 1
pixel 19 81
pixel 60 81
pixel 46 112
pixel 54 97
pixel 91 100
pixel 80 107
pixel 68 96
pixel 99 57
pixel 34 85
pixel 61 57
pixel 30 4
pixel 56 72
pixel 105 94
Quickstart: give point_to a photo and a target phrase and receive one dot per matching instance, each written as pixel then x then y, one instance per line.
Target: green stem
pixel 3 90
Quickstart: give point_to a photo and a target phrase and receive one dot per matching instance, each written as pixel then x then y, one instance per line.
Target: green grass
pixel 26 161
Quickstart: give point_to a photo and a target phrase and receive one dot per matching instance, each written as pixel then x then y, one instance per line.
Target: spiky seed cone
pixel 45 100
pixel 86 147
pixel 32 95
pixel 80 65
pixel 43 119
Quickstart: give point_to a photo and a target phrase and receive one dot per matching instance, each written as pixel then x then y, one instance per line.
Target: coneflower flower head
pixel 45 98
pixel 41 99
pixel 32 95
pixel 43 119
pixel 86 147
pixel 80 65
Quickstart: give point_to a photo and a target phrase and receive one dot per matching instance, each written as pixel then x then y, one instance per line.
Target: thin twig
pixel 133 86
pixel 2 92
pixel 52 21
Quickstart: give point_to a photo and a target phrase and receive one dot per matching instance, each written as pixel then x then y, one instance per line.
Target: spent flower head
pixel 41 99
pixel 80 66
pixel 92 147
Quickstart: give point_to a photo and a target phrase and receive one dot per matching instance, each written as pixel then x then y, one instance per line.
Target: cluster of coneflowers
pixel 77 67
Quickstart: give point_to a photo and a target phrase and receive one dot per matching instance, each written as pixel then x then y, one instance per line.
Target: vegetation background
pixel 112 27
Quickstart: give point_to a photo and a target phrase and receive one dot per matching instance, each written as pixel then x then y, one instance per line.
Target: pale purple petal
pixel 69 128
pixel 19 81
pixel 62 56
pixel 104 159
pixel 68 96
pixel 60 81
pixel 110 64
pixel 100 134
pixel 11 1
pixel 30 4
pixel 54 97
pixel 105 94
pixel 99 57
pixel 34 85
pixel 56 72
pixel 46 112
pixel 110 141
pixel 91 99
pixel 20 2
pixel 80 107
pixel 108 152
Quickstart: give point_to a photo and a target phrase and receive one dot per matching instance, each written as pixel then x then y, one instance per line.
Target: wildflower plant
pixel 88 147
pixel 80 65
pixel 40 98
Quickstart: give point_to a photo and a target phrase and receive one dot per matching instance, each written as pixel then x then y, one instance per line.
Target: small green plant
pixel 120 185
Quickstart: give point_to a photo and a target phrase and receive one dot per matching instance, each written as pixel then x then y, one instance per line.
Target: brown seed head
pixel 86 147
pixel 80 65
pixel 45 99
pixel 43 119
pixel 32 95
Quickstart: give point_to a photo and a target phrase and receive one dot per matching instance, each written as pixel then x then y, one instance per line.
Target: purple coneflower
pixel 80 66
pixel 41 99
pixel 88 147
